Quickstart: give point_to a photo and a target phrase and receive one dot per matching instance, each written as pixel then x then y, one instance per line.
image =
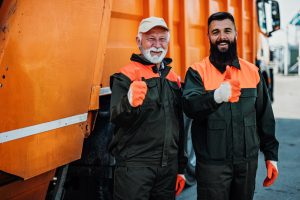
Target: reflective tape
pixel 105 91
pixel 40 128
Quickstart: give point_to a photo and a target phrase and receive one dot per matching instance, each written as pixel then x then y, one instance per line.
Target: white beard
pixel 154 59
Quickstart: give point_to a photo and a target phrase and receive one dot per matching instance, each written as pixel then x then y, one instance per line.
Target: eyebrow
pixel 154 36
pixel 217 29
pixel 214 30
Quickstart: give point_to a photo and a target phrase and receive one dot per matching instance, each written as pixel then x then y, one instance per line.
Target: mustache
pixel 156 49
pixel 223 41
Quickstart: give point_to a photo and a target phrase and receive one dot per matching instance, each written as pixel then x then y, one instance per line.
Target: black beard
pixel 222 59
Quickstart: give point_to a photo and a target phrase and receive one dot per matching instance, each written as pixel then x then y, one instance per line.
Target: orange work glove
pixel 272 173
pixel 180 183
pixel 137 90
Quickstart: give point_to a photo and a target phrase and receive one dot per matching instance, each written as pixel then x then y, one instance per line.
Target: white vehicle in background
pixel 291 58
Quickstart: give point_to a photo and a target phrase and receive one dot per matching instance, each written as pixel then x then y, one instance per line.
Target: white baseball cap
pixel 151 22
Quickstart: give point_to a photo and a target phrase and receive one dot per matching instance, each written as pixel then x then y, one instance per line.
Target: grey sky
pixel 288 8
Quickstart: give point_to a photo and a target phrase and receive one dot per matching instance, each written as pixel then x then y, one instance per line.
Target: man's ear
pixel 208 33
pixel 138 40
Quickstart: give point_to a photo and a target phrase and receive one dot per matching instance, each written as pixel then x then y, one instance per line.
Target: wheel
pixel 90 177
pixel 191 164
pixel 56 188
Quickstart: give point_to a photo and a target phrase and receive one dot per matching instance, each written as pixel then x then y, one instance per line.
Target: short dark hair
pixel 220 16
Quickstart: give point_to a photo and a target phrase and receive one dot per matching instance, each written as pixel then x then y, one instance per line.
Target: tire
pixel 271 87
pixel 90 177
pixel 191 164
pixel 269 84
pixel 56 188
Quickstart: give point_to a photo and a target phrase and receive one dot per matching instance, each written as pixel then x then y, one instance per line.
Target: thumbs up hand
pixel 137 90
pixel 229 90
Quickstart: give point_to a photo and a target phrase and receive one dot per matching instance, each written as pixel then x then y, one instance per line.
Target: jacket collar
pixel 164 66
pixel 235 63
pixel 141 59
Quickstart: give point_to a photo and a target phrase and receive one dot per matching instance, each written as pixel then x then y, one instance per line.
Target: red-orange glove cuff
pixel 180 183
pixel 272 174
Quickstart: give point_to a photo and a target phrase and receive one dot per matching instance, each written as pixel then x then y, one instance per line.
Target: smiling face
pixel 222 33
pixel 154 44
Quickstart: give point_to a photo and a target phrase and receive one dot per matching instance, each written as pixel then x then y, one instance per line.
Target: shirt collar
pixel 162 66
pixel 235 63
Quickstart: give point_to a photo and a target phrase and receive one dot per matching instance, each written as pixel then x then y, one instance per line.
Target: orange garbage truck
pixel 56 58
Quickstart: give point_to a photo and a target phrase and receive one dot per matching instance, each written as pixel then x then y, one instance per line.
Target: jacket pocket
pixel 251 136
pixel 176 93
pixel 248 99
pixel 152 95
pixel 249 92
pixel 216 139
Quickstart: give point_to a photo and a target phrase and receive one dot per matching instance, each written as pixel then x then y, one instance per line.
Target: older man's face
pixel 154 44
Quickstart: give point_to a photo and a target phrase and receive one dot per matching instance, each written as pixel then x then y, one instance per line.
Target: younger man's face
pixel 221 34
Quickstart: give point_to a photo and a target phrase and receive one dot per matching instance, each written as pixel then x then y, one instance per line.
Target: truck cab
pixel 268 19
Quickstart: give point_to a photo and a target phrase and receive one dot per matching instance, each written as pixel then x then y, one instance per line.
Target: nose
pixel 156 44
pixel 222 36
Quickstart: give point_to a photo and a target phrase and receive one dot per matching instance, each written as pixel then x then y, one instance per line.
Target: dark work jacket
pixel 150 134
pixel 229 132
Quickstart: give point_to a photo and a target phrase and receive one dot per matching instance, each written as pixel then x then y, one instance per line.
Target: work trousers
pixel 145 183
pixel 226 181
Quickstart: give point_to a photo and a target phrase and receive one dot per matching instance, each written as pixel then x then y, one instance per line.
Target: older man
pixel 146 109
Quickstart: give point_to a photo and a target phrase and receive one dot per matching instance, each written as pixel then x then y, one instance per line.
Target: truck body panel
pixel 51 55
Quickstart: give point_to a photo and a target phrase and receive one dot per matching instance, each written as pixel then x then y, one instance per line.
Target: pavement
pixel 286 97
pixel 286 107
